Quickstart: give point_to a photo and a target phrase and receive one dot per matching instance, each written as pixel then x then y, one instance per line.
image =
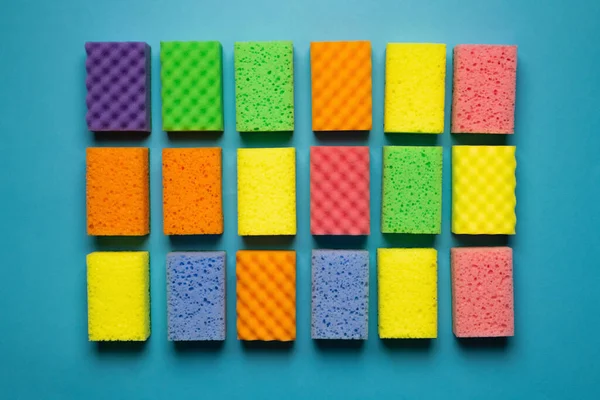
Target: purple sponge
pixel 118 86
pixel 340 294
pixel 196 295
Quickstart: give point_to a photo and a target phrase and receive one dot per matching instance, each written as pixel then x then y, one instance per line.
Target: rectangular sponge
pixel 483 190
pixel 412 190
pixel 118 289
pixel 192 191
pixel 264 86
pixel 266 191
pixel 415 75
pixel 407 280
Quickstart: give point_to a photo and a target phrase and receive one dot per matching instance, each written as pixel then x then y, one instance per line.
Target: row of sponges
pixel 482 294
pixel 118 83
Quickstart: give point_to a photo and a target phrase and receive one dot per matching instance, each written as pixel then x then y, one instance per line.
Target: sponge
pixel 266 295
pixel 340 294
pixel 339 190
pixel 415 75
pixel 483 190
pixel 485 79
pixel 118 86
pixel 407 280
pixel 117 191
pixel 264 86
pixel 192 195
pixel 266 191
pixel 412 190
pixel 191 86
pixel 482 291
pixel 118 289
pixel 196 295
pixel 341 86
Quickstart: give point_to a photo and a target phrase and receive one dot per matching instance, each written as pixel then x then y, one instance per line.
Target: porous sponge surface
pixel 267 191
pixel 196 295
pixel 192 191
pixel 264 86
pixel 407 280
pixel 485 78
pixel 340 294
pixel 192 86
pixel 339 190
pixel 118 288
pixel 415 75
pixel 412 189
pixel 117 191
pixel 482 292
pixel 266 295
pixel 118 86
pixel 341 86
pixel 483 190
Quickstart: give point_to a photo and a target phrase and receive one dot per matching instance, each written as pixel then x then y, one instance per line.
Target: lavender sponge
pixel 340 294
pixel 196 295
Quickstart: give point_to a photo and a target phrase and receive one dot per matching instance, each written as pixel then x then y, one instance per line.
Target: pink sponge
pixel 482 291
pixel 483 99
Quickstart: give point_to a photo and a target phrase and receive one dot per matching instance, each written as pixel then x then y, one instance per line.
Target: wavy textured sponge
pixel 266 191
pixel 407 280
pixel 412 190
pixel 339 190
pixel 482 292
pixel 192 195
pixel 117 191
pixel 485 83
pixel 191 86
pixel 264 86
pixel 415 75
pixel 266 295
pixel 483 190
pixel 118 288
pixel 341 86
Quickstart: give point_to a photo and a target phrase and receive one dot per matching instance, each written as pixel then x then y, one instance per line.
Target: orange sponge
pixel 266 295
pixel 192 195
pixel 117 191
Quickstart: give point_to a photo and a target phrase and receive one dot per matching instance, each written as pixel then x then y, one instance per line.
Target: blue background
pixel 44 351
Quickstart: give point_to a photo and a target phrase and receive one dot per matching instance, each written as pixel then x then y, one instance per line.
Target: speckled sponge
pixel 118 86
pixel 482 292
pixel 264 86
pixel 117 191
pixel 483 190
pixel 485 79
pixel 415 75
pixel 340 294
pixel 266 295
pixel 196 295
pixel 412 189
pixel 341 86
pixel 339 190
pixel 407 280
pixel 266 191
pixel 118 291
pixel 191 86
pixel 192 191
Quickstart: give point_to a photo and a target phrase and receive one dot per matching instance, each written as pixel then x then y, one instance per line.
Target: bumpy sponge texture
pixel 118 288
pixel 483 190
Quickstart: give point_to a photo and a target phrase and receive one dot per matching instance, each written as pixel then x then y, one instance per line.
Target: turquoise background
pixel 44 351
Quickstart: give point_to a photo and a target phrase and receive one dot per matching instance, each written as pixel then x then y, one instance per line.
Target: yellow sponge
pixel 266 191
pixel 407 280
pixel 415 75
pixel 118 296
pixel 483 190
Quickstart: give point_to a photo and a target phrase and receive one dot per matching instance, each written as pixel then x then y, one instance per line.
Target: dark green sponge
pixel 192 86
pixel 412 190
